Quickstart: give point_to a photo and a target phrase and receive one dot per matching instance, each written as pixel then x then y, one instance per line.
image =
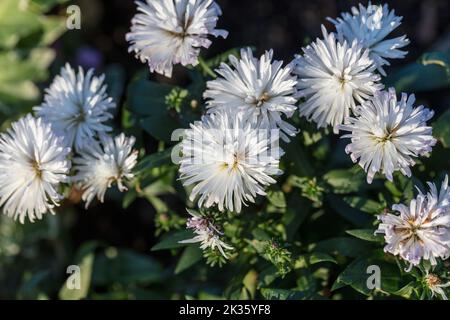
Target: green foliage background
pixel 310 238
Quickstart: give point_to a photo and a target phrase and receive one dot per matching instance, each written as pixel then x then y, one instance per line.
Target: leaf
pixel 45 5
pixel 282 294
pixel 154 160
pixel 357 274
pixel 348 247
pixel 148 98
pixel 16 23
pixel 346 180
pixel 126 267
pixel 115 80
pixel 191 255
pixel 276 197
pixel 297 159
pixel 357 217
pixel 68 293
pixel 171 240
pixel 129 198
pixel 441 129
pixel 306 260
pixel 250 282
pixel 297 211
pixel 408 292
pixel 363 204
pixel 160 127
pixel 430 72
pixel 365 234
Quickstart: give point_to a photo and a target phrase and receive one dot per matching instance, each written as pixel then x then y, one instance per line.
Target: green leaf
pixel 276 197
pixel 115 80
pixel 441 129
pixel 171 240
pixel 357 273
pixel 365 234
pixel 148 98
pixel 160 127
pixel 410 291
pixel 16 22
pixel 282 294
pixel 363 204
pixel 357 217
pixel 191 255
pixel 430 72
pixel 348 247
pixel 297 211
pixel 68 293
pixel 346 180
pixel 126 267
pixel 154 160
pixel 306 260
pixel 45 5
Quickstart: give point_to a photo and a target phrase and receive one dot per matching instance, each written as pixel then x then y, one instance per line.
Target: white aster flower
pixel 260 90
pixel 100 165
pixel 370 26
pixel 77 106
pixel 33 163
pixel 421 230
pixel 229 162
pixel 333 77
pixel 206 233
pixel 436 286
pixel 387 134
pixel 168 32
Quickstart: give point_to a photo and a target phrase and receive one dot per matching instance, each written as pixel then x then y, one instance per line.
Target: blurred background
pixel 33 257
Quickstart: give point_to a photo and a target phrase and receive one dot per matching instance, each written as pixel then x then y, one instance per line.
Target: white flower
pixel 33 163
pixel 387 134
pixel 205 233
pixel 77 106
pixel 370 26
pixel 436 286
pixel 228 162
pixel 260 90
pixel 168 32
pixel 332 77
pixel 421 230
pixel 100 165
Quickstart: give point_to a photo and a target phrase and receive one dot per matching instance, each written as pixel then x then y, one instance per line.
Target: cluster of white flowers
pixel 37 152
pixel 232 155
pixel 225 158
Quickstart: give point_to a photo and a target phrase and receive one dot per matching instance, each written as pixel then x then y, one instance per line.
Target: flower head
pixel 420 230
pixel 168 32
pixel 333 77
pixel 387 134
pixel 33 163
pixel 100 165
pixel 261 90
pixel 76 104
pixel 206 233
pixel 370 26
pixel 436 286
pixel 228 162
